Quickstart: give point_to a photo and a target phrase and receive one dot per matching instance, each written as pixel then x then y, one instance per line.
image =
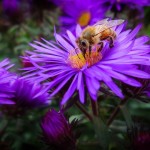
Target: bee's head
pixel 82 43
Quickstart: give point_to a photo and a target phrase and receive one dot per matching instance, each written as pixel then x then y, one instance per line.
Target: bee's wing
pixel 99 29
pixel 104 21
pixel 113 23
pixel 108 24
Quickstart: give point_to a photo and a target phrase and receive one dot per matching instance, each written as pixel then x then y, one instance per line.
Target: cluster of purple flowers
pixel 131 3
pixel 19 93
pixel 80 12
pixel 74 11
pixel 61 67
pixel 86 13
pixel 10 6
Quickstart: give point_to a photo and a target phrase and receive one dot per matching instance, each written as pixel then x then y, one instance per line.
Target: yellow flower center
pixel 84 19
pixel 77 60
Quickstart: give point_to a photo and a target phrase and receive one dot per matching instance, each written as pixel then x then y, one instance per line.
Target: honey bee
pixel 94 35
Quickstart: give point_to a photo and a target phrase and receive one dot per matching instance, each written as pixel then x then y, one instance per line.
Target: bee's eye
pixel 83 43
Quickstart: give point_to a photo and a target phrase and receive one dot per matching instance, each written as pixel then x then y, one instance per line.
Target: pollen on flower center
pixel 84 19
pixel 78 60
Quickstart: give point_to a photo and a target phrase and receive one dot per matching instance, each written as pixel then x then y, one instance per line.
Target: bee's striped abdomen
pixel 106 33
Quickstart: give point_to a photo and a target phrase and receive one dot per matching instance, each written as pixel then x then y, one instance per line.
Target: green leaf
pixel 13 29
pixel 127 116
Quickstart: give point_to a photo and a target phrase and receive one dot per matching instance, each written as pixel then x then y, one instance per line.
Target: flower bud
pixel 57 131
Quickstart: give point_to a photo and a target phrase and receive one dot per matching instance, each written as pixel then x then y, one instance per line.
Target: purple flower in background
pixel 132 3
pixel 20 92
pixel 80 12
pixel 5 65
pixel 57 131
pixel 62 65
pixel 5 75
pixel 23 95
pixel 5 79
pixel 11 6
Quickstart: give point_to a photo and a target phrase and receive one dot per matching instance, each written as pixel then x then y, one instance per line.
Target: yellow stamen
pixel 84 19
pixel 78 61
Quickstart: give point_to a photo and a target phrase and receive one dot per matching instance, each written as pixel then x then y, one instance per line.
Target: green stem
pixel 116 111
pixel 94 105
pixel 84 111
pixel 2 131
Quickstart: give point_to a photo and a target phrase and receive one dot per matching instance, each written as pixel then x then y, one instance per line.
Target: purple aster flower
pixel 5 75
pixel 20 92
pixel 62 65
pixel 19 95
pixel 132 3
pixel 5 78
pixel 57 131
pixel 80 12
pixel 5 65
pixel 11 6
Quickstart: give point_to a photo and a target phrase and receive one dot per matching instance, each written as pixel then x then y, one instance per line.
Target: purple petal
pixel 81 92
pixel 63 43
pixel 78 31
pixel 6 101
pixel 70 91
pixel 93 86
pixel 114 88
pixel 72 38
pixel 137 73
pixel 61 85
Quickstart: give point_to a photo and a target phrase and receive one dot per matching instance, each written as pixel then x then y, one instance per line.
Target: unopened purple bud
pixel 57 132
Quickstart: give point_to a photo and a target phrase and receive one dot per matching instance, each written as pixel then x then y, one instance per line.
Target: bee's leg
pixel 111 41
pixel 90 49
pixel 83 52
pixel 101 45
